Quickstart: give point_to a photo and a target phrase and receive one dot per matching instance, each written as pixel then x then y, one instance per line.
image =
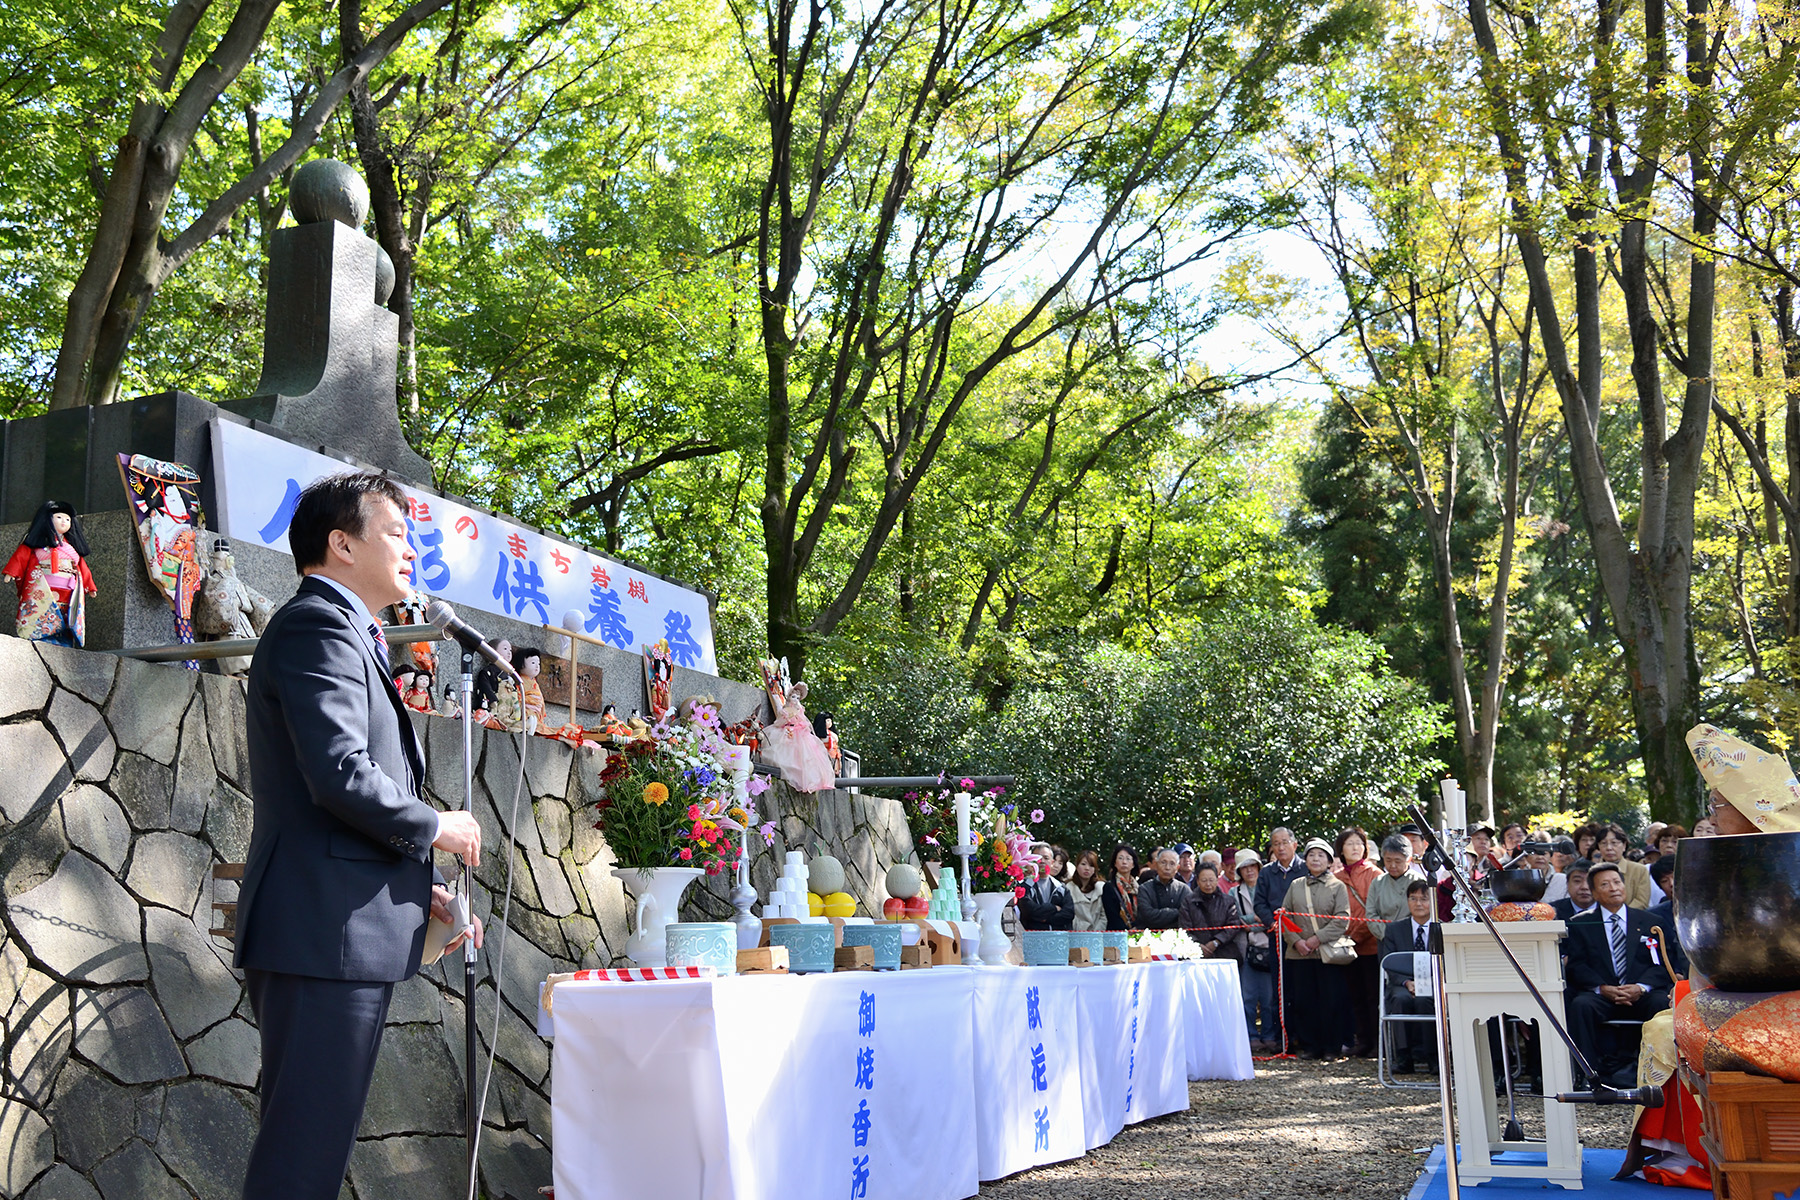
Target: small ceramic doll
pixel 528 661
pixel 50 569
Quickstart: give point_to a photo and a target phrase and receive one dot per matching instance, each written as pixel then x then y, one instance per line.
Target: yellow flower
pixel 739 815
pixel 655 793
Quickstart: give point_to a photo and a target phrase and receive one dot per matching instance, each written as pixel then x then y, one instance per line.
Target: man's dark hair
pixel 1661 869
pixel 1209 865
pixel 1580 866
pixel 1599 867
pixel 1418 885
pixel 335 502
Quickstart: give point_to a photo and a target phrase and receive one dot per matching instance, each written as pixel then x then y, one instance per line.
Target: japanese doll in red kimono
pixel 50 569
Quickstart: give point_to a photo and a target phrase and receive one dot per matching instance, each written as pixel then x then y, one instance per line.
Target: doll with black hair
pixel 51 572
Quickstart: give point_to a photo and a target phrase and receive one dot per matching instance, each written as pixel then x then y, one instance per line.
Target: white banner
pixel 471 558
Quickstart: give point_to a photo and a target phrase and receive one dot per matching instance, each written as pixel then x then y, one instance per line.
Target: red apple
pixel 918 906
pixel 894 909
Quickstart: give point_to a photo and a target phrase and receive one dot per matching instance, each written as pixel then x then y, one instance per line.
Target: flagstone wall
pixel 128 1052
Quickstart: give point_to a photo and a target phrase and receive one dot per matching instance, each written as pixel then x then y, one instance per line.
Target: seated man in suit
pixel 1580 899
pixel 1046 903
pixel 1613 974
pixel 1415 1041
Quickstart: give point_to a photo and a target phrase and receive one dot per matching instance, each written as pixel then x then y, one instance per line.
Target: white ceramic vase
pixel 991 907
pixel 658 891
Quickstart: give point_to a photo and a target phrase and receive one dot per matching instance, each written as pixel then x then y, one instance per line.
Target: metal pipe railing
pixel 397 635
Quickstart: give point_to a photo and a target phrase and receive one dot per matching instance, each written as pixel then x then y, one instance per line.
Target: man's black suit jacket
pixel 1590 954
pixel 338 880
pixel 1056 913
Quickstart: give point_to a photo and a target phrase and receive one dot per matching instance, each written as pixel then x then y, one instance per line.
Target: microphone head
pixel 441 615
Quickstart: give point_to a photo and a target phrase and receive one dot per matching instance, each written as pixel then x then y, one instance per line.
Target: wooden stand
pixel 946 948
pixel 1479 985
pixel 1110 954
pixel 1751 1131
pixel 1137 954
pixel 764 960
pixel 855 958
pixel 915 958
pixel 1078 957
pixel 769 923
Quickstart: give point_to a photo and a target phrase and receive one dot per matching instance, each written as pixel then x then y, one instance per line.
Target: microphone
pixel 1649 1097
pixel 466 635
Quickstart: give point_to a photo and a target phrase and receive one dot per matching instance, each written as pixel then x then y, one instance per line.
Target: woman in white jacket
pixel 1089 890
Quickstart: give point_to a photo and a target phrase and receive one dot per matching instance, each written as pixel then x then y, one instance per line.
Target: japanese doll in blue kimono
pixel 51 572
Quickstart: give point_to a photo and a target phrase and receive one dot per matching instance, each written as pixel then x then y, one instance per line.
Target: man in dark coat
pixel 1662 916
pixel 1613 973
pixel 1046 903
pixel 339 877
pixel 1160 899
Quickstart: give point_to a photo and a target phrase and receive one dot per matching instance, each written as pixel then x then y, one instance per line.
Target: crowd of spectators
pixel 1321 930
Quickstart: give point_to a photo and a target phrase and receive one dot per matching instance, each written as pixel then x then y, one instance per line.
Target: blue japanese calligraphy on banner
pixel 471 558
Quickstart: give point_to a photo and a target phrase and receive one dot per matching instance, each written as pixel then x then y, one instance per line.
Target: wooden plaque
pixel 553 679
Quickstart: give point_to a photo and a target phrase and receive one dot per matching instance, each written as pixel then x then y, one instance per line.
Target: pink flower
pixel 1037 816
pixel 931 840
pixel 757 785
pixel 693 812
pixel 712 868
pixel 685 854
pixel 968 785
pixel 1018 893
pixel 767 829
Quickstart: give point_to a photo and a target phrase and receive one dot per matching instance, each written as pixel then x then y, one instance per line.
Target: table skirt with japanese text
pixel 867 1084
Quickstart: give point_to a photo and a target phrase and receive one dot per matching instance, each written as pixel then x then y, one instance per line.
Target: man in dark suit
pixel 1662 916
pixel 1580 899
pixel 1161 897
pixel 1612 973
pixel 1046 903
pixel 1415 1041
pixel 339 879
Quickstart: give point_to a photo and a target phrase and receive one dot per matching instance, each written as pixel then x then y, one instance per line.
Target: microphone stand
pixel 1599 1092
pixel 467 884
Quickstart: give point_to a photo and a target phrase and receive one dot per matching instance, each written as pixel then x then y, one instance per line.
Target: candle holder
pixel 1463 910
pixel 968 895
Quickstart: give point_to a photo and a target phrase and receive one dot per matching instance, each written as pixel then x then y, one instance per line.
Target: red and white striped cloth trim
pixel 639 974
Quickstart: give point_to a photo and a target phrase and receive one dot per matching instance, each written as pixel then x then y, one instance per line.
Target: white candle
pixel 1456 811
pixel 962 819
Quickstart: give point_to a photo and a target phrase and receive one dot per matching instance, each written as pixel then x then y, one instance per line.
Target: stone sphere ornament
pixel 327 190
pixel 825 874
pixel 902 881
pixel 384 276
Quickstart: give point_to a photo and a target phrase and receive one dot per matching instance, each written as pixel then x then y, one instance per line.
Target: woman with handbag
pixel 1315 927
pixel 1365 975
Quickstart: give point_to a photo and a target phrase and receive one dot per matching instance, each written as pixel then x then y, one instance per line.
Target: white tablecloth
pixel 759 1088
pixel 1218 1041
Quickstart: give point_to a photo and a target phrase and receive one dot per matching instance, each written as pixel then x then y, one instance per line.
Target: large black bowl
pixel 1518 886
pixel 1737 906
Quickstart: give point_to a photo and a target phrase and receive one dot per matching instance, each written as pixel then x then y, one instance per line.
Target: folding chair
pixel 1386 1022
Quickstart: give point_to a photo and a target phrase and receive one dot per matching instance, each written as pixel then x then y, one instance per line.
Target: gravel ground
pixel 1298 1130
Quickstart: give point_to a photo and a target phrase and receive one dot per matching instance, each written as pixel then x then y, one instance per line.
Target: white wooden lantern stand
pixel 1479 983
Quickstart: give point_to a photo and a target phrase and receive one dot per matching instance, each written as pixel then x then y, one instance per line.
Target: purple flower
pixel 931 840
pixel 1008 810
pixel 706 776
pixel 757 785
pixel 925 809
pixel 1037 816
pixel 767 829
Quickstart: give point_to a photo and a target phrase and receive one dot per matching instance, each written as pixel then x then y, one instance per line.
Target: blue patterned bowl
pixel 1046 947
pixel 810 947
pixel 884 938
pixel 703 944
pixel 1117 939
pixel 1091 940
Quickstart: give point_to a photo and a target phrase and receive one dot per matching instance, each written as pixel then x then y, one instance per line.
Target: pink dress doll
pixel 791 744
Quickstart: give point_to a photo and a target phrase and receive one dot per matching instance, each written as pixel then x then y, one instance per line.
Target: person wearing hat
pixel 1316 912
pixel 1256 979
pixel 1562 854
pixel 1184 863
pixel 1751 790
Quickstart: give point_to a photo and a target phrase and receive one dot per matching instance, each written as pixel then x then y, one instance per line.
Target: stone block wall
pixel 128 1052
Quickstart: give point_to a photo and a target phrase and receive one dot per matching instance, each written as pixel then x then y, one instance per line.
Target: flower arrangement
pixel 1002 859
pixel 671 800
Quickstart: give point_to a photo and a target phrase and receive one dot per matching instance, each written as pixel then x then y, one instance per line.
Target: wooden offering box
pixel 1751 1132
